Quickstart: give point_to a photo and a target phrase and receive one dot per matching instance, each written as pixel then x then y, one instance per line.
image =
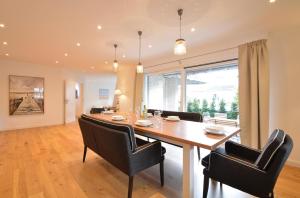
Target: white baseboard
pixel 294 163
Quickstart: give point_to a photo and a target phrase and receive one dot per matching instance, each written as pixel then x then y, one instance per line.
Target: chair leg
pixel 162 174
pixel 205 186
pixel 130 185
pixel 198 150
pixel 84 153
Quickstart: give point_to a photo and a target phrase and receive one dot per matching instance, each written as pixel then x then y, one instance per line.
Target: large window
pixel 213 91
pixel 163 91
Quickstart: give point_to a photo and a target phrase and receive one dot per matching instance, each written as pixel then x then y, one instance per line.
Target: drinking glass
pixel 157 116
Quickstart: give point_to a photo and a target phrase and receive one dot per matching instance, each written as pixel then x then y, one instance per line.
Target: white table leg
pixel 188 171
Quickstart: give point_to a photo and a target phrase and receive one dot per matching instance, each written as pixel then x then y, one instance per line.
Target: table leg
pixel 188 171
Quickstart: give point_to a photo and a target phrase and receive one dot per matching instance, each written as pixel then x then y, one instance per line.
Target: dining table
pixel 186 134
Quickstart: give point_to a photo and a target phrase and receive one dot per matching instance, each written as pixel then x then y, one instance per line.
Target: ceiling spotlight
pixel 105 62
pixel 56 62
pixel 99 27
pixel 193 29
pixel 272 1
pixel 77 44
pixel 7 54
pixel 66 54
pixel 150 46
pixel 4 43
pixel 92 67
pixel 2 25
pixel 180 44
pixel 124 56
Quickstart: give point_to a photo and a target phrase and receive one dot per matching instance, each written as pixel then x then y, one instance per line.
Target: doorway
pixel 73 100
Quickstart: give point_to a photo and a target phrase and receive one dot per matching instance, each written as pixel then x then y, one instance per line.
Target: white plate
pixel 215 132
pixel 108 112
pixel 143 123
pixel 172 118
pixel 117 118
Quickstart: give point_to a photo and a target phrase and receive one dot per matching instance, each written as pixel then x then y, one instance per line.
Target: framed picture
pixel 103 94
pixel 26 95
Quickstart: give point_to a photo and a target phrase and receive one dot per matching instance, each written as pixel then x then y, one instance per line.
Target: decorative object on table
pixel 139 67
pixel 115 63
pixel 103 94
pixel 172 118
pixel 117 117
pixel 26 95
pixel 118 94
pixel 180 44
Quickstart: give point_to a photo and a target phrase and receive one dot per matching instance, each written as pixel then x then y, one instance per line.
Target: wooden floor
pixel 47 162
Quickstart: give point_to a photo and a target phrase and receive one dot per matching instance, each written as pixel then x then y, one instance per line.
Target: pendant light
pixel 180 44
pixel 115 63
pixel 139 67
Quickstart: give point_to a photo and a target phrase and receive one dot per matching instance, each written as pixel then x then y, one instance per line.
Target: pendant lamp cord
pixel 140 41
pixel 115 45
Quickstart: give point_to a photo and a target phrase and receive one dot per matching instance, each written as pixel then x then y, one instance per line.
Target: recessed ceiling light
pixel 66 54
pixel 77 44
pixel 272 1
pixel 4 43
pixel 7 54
pixel 56 62
pixel 124 55
pixel 193 29
pixel 150 46
pixel 106 62
pixel 2 25
pixel 99 27
pixel 92 67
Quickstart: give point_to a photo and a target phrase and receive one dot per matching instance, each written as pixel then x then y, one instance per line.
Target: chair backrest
pixel 96 110
pixel 279 157
pixel 120 127
pixel 111 144
pixel 189 116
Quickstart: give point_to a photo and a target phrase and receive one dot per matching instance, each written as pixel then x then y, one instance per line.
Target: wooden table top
pixel 186 132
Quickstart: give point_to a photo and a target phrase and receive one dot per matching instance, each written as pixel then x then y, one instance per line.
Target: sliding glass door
pixel 163 91
pixel 213 91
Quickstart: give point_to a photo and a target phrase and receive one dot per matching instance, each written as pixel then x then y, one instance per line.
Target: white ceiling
pixel 41 31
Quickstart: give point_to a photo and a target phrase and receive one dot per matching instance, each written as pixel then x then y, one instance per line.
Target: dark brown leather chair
pixel 118 145
pixel 249 170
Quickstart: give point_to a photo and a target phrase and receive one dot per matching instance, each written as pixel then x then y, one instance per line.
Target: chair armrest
pixel 237 173
pixel 241 151
pixel 145 156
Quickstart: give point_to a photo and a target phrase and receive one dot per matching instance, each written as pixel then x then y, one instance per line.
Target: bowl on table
pixel 214 129
pixel 143 123
pixel 117 118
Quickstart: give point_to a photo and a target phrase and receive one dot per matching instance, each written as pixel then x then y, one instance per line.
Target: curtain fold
pixel 254 93
pixel 138 91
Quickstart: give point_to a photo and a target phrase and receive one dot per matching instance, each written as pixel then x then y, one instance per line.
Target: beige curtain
pixel 254 93
pixel 138 91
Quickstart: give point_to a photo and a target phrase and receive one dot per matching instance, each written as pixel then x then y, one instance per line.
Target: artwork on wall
pixel 26 95
pixel 103 94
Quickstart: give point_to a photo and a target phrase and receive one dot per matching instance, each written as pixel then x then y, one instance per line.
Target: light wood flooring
pixel 47 162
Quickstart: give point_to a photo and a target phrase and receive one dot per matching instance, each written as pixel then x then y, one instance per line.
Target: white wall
pixel 284 48
pixel 54 95
pixel 91 91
